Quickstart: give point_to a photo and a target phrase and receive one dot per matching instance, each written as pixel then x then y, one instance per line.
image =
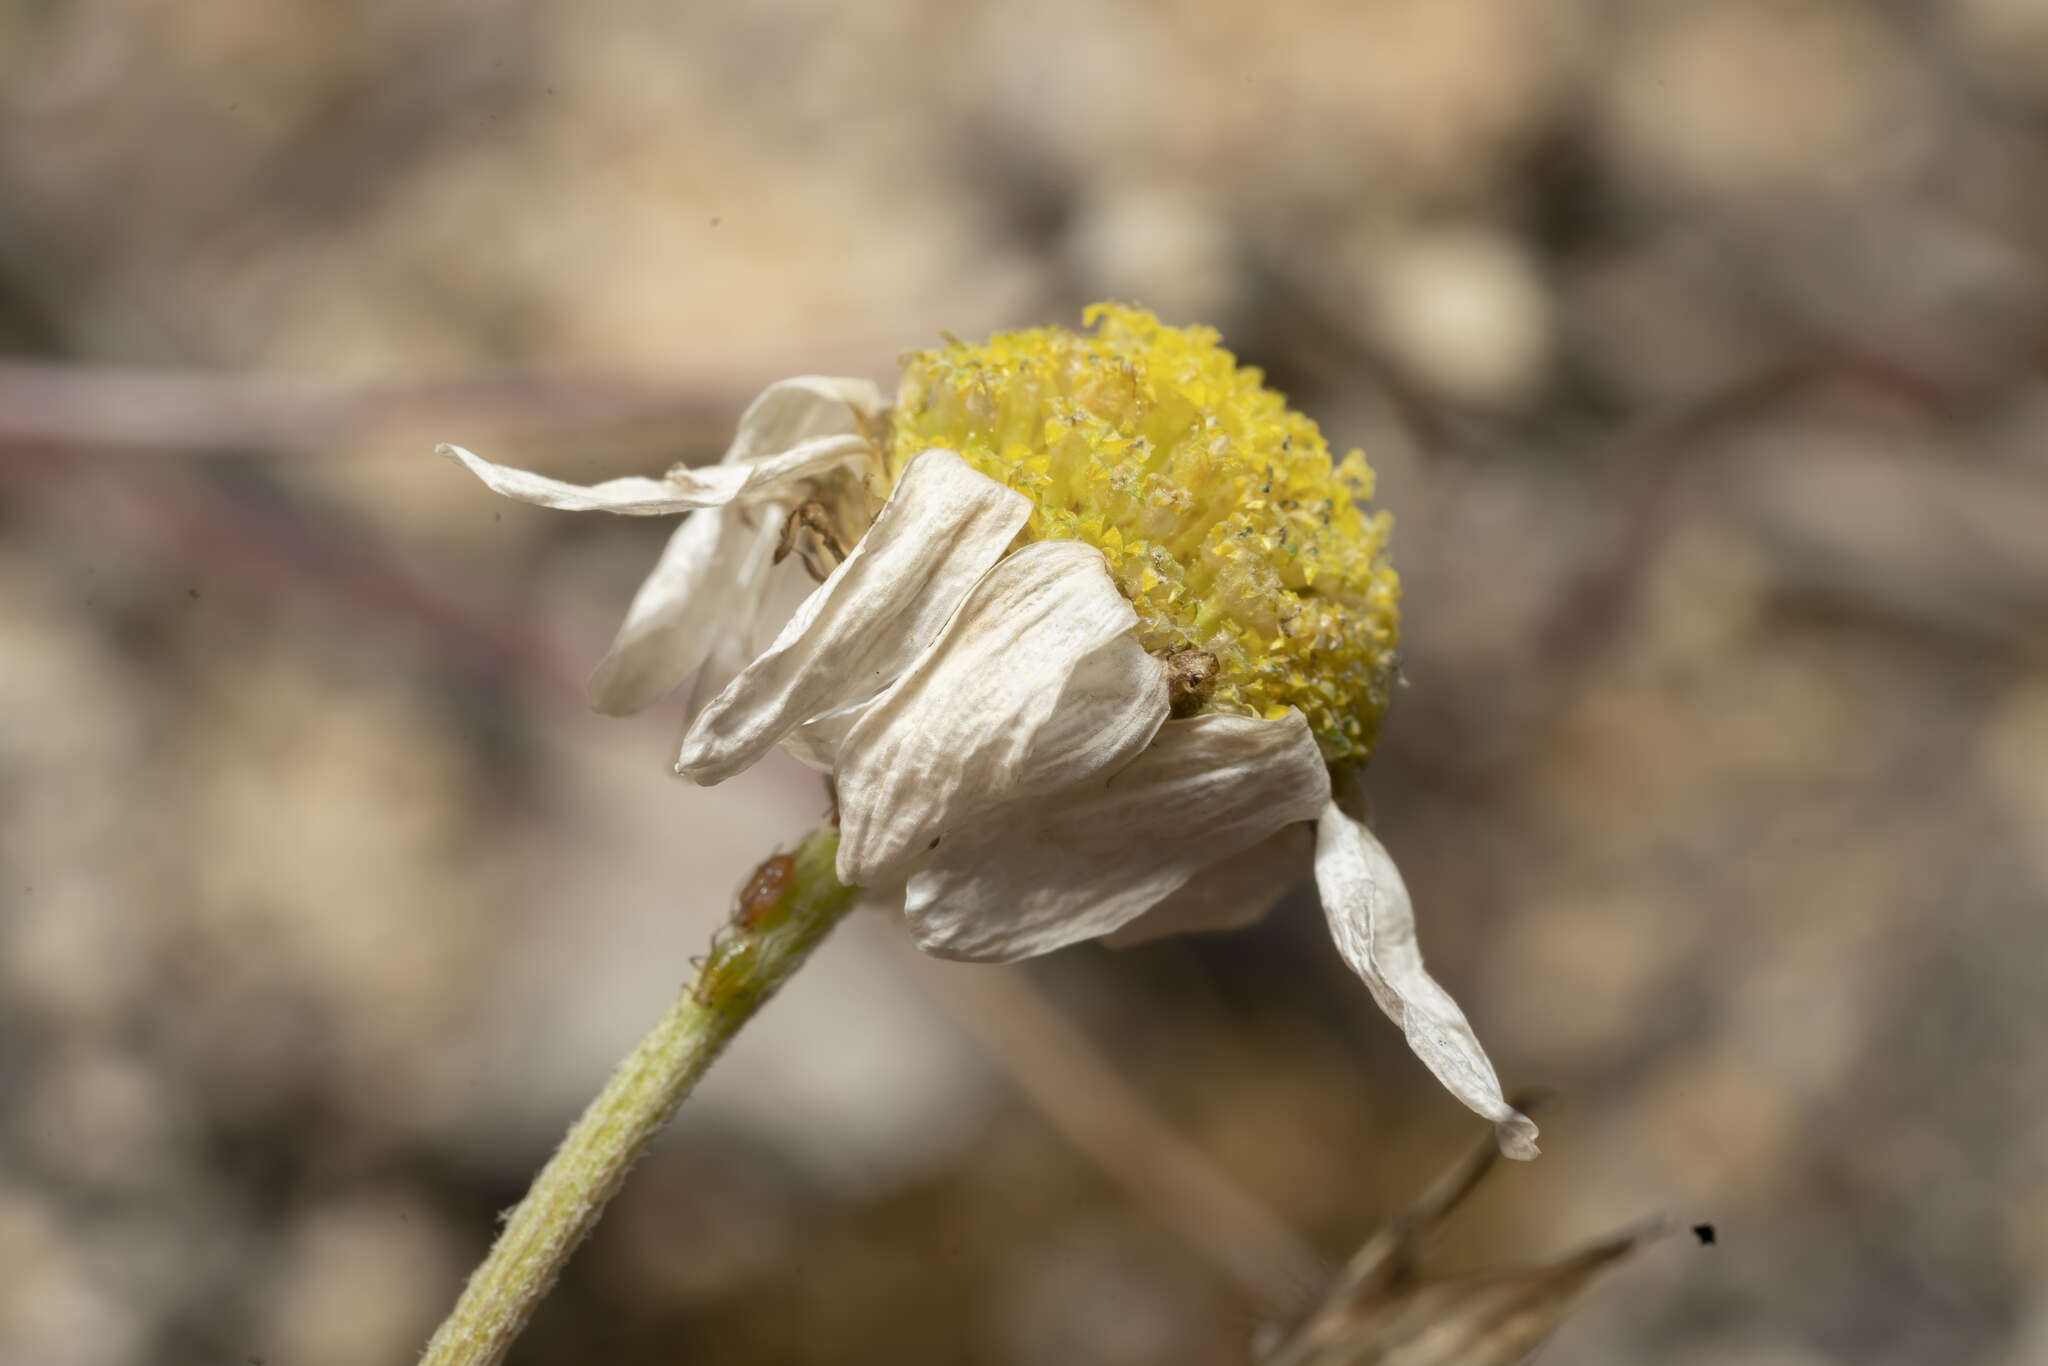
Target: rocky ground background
pixel 1699 346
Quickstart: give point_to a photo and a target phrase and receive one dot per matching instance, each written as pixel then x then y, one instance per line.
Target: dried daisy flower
pixel 700 606
pixel 1101 618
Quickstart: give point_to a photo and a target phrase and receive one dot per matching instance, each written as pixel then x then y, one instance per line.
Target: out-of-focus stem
pixel 790 904
pixel 1067 1078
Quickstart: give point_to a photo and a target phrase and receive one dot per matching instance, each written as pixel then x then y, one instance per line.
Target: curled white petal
pixel 772 475
pixel 699 588
pixel 1230 893
pixel 1037 683
pixel 680 490
pixel 1041 874
pixel 943 526
pixel 1373 921
pixel 788 410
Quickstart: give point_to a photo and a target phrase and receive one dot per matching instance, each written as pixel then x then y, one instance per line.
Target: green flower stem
pixel 788 907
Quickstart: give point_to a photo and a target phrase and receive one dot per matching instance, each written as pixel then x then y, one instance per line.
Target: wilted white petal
pixel 1373 921
pixel 1037 683
pixel 786 411
pixel 1230 893
pixel 782 593
pixel 731 651
pixel 816 743
pixel 680 490
pixel 755 608
pixel 1037 875
pixel 1112 704
pixel 942 527
pixel 694 593
pixel 771 475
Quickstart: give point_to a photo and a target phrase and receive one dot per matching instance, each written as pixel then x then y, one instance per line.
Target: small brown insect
pixel 1189 674
pixel 810 516
pixel 763 890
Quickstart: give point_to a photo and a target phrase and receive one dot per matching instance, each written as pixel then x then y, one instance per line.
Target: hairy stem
pixel 788 906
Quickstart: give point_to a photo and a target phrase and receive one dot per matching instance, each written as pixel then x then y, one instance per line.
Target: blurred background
pixel 1699 346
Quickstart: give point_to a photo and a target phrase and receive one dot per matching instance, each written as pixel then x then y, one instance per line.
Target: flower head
pixel 1216 506
pixel 1081 673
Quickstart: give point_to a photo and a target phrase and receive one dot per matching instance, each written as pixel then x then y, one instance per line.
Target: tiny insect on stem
pixel 786 908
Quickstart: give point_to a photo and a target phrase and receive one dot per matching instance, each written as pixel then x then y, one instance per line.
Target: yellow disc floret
pixel 1218 508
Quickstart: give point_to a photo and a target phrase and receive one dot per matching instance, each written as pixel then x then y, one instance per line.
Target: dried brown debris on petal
pixel 1380 1311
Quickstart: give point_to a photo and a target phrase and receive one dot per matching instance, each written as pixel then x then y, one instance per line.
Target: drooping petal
pixel 757 608
pixel 680 490
pixel 941 529
pixel 696 591
pixel 1037 683
pixel 665 635
pixel 771 475
pixel 816 743
pixel 788 410
pixel 1041 874
pixel 1373 921
pixel 731 651
pixel 1230 893
pixel 707 576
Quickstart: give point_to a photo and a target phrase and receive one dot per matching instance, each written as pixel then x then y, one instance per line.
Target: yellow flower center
pixel 1218 508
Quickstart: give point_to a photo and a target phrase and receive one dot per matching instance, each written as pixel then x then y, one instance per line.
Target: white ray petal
pixel 1373 921
pixel 731 651
pixel 941 529
pixel 1037 683
pixel 666 633
pixel 680 490
pixel 1040 874
pixel 816 743
pixel 697 590
pixel 1230 893
pixel 771 475
pixel 757 607
pixel 790 409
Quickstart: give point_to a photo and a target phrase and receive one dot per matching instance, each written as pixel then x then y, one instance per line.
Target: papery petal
pixel 942 527
pixel 782 592
pixel 680 490
pixel 1037 875
pixel 1036 684
pixel 1373 921
pixel 816 743
pixel 694 592
pixel 786 411
pixel 1230 893
pixel 757 608
pixel 771 475
pixel 731 651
